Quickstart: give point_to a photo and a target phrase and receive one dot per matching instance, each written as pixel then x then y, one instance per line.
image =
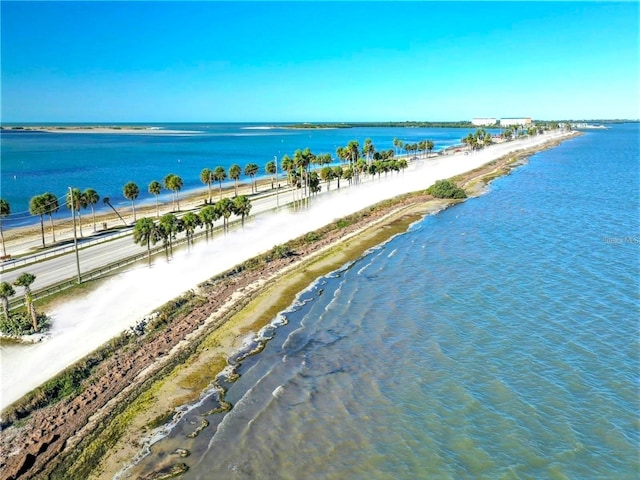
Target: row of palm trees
pixel 147 232
pixel 480 139
pixel 298 169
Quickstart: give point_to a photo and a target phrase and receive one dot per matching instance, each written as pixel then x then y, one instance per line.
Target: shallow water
pixel 497 339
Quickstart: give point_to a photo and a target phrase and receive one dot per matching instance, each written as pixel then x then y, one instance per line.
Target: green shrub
pixel 446 189
pixel 342 223
pixel 279 251
pixel 19 323
pixel 312 237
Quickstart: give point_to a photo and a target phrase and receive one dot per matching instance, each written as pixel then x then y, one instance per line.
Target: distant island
pixel 405 124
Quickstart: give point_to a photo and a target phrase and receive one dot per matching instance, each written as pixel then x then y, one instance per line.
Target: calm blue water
pixel 498 339
pixel 37 162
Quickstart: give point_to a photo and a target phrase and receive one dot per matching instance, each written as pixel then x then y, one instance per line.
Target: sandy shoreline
pixel 100 130
pixel 187 388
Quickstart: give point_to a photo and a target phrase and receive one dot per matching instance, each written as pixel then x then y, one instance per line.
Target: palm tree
pixel 337 173
pixel 208 215
pixel 75 202
pixel 51 206
pixel 225 208
pixel 251 170
pixel 206 177
pixel 397 143
pixel 271 168
pixel 6 291
pixel 190 221
pixel 326 174
pixel 131 192
pixel 155 188
pixel 37 206
pixel 430 146
pixel 234 174
pixel 287 165
pixel 25 280
pixel 91 197
pixel 170 225
pixel 107 201
pixel 220 176
pixel 144 232
pixel 242 207
pixel 5 211
pixel 368 149
pixel 174 183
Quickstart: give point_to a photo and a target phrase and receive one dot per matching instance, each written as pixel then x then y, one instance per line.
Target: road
pixel 114 247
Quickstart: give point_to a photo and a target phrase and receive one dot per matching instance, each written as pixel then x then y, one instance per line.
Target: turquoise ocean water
pixel 38 162
pixel 496 339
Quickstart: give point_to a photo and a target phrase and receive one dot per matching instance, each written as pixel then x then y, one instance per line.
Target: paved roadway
pixel 114 247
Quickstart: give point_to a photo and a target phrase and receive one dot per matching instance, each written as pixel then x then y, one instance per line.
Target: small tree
pixel 170 225
pixel 225 208
pixel 155 188
pixel 206 177
pixel 190 221
pixel 220 175
pixel 144 232
pixel 75 201
pixel 208 215
pixel 6 291
pixel 5 211
pixel 131 192
pixel 242 207
pixel 25 280
pixel 234 174
pixel 251 170
pixel 91 197
pixel 271 169
pixel 37 206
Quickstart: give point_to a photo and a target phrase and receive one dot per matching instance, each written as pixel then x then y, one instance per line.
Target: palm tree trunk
pixel 80 222
pixel 93 216
pixel 31 308
pixel 42 229
pixel 53 232
pixel 4 248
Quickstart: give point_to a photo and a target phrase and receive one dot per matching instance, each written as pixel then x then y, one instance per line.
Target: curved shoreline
pixel 139 388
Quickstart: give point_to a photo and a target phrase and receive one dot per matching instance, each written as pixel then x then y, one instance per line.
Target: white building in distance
pixel 507 122
pixel 483 122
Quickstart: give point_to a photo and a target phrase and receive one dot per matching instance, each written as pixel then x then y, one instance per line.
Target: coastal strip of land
pixel 98 129
pixel 136 385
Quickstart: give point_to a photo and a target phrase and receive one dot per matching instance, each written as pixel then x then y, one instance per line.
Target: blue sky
pixel 312 61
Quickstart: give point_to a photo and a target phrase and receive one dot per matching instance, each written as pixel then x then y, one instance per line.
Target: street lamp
pixel 275 159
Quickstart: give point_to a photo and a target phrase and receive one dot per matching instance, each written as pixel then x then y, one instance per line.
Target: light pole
pixel 75 237
pixel 275 159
